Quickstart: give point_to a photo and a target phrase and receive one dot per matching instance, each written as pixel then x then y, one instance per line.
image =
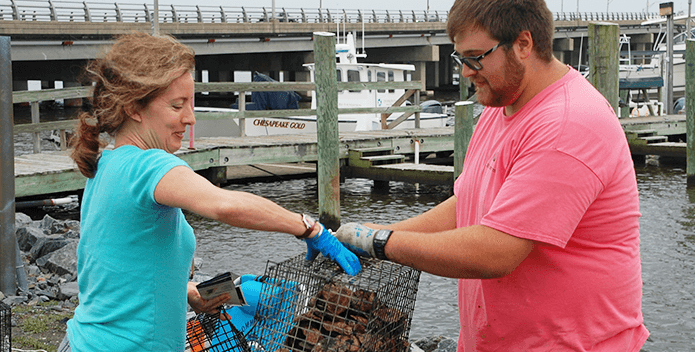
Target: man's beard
pixel 508 92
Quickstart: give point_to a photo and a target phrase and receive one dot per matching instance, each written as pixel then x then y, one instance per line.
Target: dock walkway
pixel 54 172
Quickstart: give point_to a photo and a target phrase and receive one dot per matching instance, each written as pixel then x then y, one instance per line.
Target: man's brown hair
pixel 505 20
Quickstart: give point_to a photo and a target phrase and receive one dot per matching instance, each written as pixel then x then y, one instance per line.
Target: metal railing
pixel 83 11
pixel 605 16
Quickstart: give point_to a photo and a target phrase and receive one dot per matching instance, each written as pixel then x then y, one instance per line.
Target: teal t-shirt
pixel 133 258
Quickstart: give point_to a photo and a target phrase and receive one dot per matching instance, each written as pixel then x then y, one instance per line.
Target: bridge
pixel 52 39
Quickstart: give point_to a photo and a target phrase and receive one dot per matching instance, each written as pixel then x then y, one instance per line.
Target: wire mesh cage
pixel 5 327
pixel 318 307
pixel 303 307
pixel 209 333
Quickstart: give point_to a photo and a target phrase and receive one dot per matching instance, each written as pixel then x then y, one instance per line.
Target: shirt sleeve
pixel 544 197
pixel 151 167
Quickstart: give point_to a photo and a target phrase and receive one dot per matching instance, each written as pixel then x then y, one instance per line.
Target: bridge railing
pixel 605 16
pixel 84 11
pixel 92 11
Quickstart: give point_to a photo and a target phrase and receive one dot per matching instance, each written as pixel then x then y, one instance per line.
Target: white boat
pixel 629 70
pixel 639 78
pixel 348 70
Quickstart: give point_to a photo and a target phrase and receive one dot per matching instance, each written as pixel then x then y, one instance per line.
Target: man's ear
pixel 524 44
pixel 132 113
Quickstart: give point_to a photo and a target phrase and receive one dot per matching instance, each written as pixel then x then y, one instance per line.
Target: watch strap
pixel 379 243
pixel 309 228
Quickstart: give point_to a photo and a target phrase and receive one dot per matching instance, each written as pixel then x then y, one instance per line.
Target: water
pixel 667 231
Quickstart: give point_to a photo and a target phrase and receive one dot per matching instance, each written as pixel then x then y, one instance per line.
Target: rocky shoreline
pixel 47 295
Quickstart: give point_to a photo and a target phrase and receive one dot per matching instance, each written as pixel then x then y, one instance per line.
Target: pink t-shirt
pixel 558 172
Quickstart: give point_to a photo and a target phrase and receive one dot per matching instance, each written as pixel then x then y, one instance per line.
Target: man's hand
pixel 358 238
pixel 330 247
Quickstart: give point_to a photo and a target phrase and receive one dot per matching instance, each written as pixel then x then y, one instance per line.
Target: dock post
pixel 690 111
pixel 604 39
pixel 8 241
pixel 463 130
pixel 327 129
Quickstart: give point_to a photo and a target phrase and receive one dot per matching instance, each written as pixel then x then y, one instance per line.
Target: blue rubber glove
pixel 325 243
pixel 358 238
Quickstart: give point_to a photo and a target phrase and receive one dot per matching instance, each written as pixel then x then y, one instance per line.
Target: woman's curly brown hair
pixel 138 68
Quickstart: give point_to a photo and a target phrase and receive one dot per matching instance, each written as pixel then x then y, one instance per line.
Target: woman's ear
pixel 132 113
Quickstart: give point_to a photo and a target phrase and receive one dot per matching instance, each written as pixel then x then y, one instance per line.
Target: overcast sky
pixel 442 5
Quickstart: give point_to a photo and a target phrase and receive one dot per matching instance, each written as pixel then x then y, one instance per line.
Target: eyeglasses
pixel 473 62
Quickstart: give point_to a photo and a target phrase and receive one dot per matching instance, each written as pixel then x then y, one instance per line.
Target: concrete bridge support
pixel 563 48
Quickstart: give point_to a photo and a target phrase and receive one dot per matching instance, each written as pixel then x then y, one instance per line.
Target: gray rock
pixel 48 222
pixel 27 236
pixel 447 345
pixel 429 344
pixel 436 344
pixel 73 225
pixel 68 290
pixel 32 270
pixel 15 300
pixel 46 245
pixel 61 262
pixel 21 220
pixel 72 234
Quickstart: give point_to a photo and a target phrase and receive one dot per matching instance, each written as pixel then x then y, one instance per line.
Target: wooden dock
pixel 54 172
pixel 649 135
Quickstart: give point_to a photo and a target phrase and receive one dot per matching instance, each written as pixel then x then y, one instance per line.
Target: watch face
pixel 308 221
pixel 382 235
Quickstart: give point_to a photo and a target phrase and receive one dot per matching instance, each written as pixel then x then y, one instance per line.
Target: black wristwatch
pixel 310 223
pixel 379 244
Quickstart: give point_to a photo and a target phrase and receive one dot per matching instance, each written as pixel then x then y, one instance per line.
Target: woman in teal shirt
pixel 136 247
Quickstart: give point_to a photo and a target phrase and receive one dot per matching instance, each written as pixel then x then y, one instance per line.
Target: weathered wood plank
pixel 408 172
pixel 327 130
pixel 26 96
pixel 603 60
pixel 44 126
pixel 690 104
pixel 53 172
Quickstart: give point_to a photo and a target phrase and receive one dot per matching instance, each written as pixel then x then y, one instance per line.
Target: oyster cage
pixel 5 327
pixel 329 310
pixel 208 333
pixel 314 306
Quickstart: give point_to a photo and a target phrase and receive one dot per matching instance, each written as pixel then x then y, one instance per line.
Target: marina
pixel 419 164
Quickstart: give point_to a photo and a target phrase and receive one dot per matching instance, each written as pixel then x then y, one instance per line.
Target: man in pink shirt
pixel 543 227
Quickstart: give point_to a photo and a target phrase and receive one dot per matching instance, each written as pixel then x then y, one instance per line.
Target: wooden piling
pixel 603 60
pixel 327 129
pixel 690 110
pixel 463 130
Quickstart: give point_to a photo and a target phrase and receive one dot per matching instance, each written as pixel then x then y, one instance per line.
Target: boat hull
pixel 267 126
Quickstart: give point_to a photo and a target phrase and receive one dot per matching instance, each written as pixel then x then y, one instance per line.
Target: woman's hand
pixel 201 305
pixel 325 243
